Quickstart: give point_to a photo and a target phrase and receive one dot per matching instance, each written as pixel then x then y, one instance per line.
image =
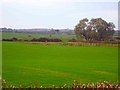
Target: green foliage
pixel 95 29
pixel 49 65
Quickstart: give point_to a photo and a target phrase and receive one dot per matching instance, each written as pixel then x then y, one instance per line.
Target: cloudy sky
pixel 55 13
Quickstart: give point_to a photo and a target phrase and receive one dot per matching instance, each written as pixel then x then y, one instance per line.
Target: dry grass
pixel 75 43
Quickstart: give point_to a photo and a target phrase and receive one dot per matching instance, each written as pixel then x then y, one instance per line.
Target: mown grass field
pixel 49 65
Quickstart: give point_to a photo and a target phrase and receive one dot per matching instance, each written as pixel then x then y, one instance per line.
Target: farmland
pixel 25 63
pixel 29 36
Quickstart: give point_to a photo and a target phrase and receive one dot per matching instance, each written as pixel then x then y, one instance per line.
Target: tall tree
pixel 80 28
pixel 95 29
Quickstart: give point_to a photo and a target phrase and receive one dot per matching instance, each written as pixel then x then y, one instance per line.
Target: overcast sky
pixel 55 13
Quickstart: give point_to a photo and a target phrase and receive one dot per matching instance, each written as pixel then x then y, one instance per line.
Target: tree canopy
pixel 94 29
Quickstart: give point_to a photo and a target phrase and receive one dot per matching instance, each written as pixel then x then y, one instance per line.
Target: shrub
pixel 46 40
pixel 12 39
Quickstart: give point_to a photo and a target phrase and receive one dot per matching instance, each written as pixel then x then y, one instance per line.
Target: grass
pixel 46 65
pixel 29 36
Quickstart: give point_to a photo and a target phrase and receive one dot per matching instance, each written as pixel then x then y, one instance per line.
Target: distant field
pixel 54 64
pixel 29 36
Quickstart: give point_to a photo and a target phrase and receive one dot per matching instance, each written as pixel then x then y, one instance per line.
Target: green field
pixel 29 36
pixel 55 64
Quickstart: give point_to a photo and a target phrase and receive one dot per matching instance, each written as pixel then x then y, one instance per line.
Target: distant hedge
pixel 11 39
pixel 46 40
pixel 35 40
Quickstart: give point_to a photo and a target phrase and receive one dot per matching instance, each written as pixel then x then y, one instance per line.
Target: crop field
pixel 29 36
pixel 48 65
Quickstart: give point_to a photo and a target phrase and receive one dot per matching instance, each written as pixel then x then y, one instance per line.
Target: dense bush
pixel 46 40
pixel 35 40
pixel 12 39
